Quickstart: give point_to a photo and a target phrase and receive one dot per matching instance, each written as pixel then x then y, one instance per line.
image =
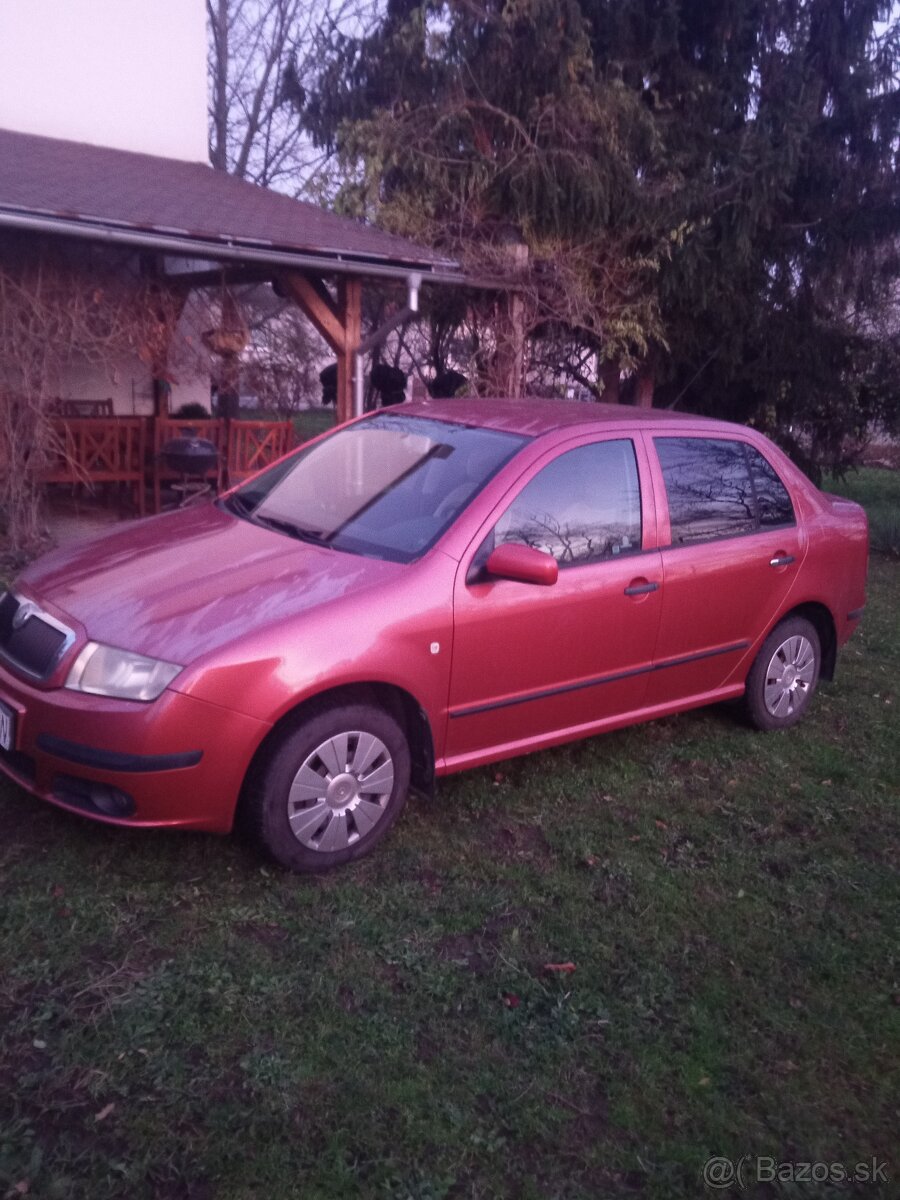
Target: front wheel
pixel 784 675
pixel 330 788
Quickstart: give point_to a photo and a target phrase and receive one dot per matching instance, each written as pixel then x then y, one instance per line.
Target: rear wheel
pixel 784 676
pixel 330 788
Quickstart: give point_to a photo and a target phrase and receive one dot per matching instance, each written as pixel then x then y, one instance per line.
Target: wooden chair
pixel 85 408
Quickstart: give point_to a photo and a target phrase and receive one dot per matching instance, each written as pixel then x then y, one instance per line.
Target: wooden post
pixel 177 295
pixel 162 390
pixel 350 308
pixel 339 324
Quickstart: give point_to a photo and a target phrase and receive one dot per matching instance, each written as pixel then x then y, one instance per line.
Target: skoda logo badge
pixel 25 610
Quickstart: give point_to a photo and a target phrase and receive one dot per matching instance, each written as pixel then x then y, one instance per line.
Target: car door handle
pixel 640 589
pixel 784 561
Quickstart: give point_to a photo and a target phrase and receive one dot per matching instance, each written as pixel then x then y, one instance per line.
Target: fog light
pixel 110 800
pixel 92 796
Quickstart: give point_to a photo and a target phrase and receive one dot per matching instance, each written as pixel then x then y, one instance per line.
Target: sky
pixel 124 73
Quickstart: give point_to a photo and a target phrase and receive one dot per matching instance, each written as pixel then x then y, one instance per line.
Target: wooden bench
pixel 100 450
pixel 253 445
pixel 93 450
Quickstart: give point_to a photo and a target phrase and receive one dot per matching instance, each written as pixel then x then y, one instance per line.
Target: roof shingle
pixel 96 184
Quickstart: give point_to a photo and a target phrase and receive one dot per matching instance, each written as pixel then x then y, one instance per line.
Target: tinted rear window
pixel 709 488
pixel 718 488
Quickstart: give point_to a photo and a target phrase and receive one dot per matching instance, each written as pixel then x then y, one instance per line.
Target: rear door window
pixel 709 488
pixel 718 489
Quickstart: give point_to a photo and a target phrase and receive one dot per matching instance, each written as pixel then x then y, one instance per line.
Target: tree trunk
pixel 508 367
pixel 218 151
pixel 610 377
pixel 646 382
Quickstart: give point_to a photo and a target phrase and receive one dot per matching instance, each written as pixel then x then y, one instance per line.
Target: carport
pixel 190 224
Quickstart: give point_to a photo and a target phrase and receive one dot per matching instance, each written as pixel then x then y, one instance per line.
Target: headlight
pixel 108 671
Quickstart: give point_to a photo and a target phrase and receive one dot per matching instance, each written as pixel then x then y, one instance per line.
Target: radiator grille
pixel 37 643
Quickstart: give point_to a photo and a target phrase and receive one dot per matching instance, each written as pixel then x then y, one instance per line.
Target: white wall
pixel 130 387
pixel 124 73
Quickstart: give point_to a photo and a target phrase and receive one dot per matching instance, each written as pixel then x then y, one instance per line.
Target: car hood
pixel 181 585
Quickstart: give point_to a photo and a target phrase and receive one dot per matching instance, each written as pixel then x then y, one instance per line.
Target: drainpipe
pixel 413 283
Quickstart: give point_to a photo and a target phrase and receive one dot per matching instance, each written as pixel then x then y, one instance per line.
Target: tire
pixel 784 676
pixel 305 805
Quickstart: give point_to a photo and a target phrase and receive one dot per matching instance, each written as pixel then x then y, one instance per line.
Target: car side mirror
pixel 524 564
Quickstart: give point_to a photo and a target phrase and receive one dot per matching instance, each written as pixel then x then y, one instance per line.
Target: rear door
pixel 531 661
pixel 731 552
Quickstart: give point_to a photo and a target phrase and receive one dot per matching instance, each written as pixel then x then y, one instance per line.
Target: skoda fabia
pixel 423 590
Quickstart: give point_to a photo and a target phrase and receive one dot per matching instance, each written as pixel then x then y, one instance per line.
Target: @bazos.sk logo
pixel 720 1172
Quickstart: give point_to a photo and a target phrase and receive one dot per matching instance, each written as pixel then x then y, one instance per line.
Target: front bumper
pixel 180 761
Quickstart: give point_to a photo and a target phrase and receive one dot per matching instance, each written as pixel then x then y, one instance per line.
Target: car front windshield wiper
pixel 238 504
pixel 313 536
pixel 242 507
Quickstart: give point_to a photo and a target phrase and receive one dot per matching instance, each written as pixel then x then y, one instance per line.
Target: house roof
pixel 188 208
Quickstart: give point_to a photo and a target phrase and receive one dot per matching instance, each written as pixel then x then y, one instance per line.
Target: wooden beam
pixel 313 299
pixel 508 365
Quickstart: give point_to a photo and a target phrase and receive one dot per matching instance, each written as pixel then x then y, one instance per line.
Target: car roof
pixel 535 417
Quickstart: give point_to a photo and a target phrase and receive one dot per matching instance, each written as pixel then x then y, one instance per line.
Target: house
pixel 103 152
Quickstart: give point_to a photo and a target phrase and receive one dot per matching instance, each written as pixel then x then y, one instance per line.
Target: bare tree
pixel 56 313
pixel 261 59
pixel 281 366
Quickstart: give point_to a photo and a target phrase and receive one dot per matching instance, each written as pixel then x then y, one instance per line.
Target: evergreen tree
pixel 707 188
pixel 482 128
pixel 782 119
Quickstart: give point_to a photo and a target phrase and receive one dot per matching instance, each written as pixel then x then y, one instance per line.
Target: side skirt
pixel 575 733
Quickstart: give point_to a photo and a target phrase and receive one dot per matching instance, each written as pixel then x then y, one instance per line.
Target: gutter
pixel 230 251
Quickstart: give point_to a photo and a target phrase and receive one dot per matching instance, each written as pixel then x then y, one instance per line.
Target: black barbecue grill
pixel 194 459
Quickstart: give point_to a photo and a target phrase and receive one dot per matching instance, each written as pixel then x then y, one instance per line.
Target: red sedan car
pixel 423 590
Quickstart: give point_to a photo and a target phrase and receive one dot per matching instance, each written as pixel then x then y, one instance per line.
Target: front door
pixel 534 664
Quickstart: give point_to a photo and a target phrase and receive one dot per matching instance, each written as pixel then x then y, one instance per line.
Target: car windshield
pixel 387 487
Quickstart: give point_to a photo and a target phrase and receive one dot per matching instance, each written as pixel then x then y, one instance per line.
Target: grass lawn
pixel 179 1020
pixel 311 422
pixel 879 491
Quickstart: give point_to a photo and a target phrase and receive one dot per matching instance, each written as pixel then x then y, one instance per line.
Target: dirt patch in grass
pixel 521 842
pixel 263 933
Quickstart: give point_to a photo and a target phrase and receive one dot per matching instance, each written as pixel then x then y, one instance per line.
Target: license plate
pixel 7 727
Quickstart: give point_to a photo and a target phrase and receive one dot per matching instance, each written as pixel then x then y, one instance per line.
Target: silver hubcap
pixel 790 675
pixel 341 791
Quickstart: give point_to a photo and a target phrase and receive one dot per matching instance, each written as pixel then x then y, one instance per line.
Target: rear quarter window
pixel 772 499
